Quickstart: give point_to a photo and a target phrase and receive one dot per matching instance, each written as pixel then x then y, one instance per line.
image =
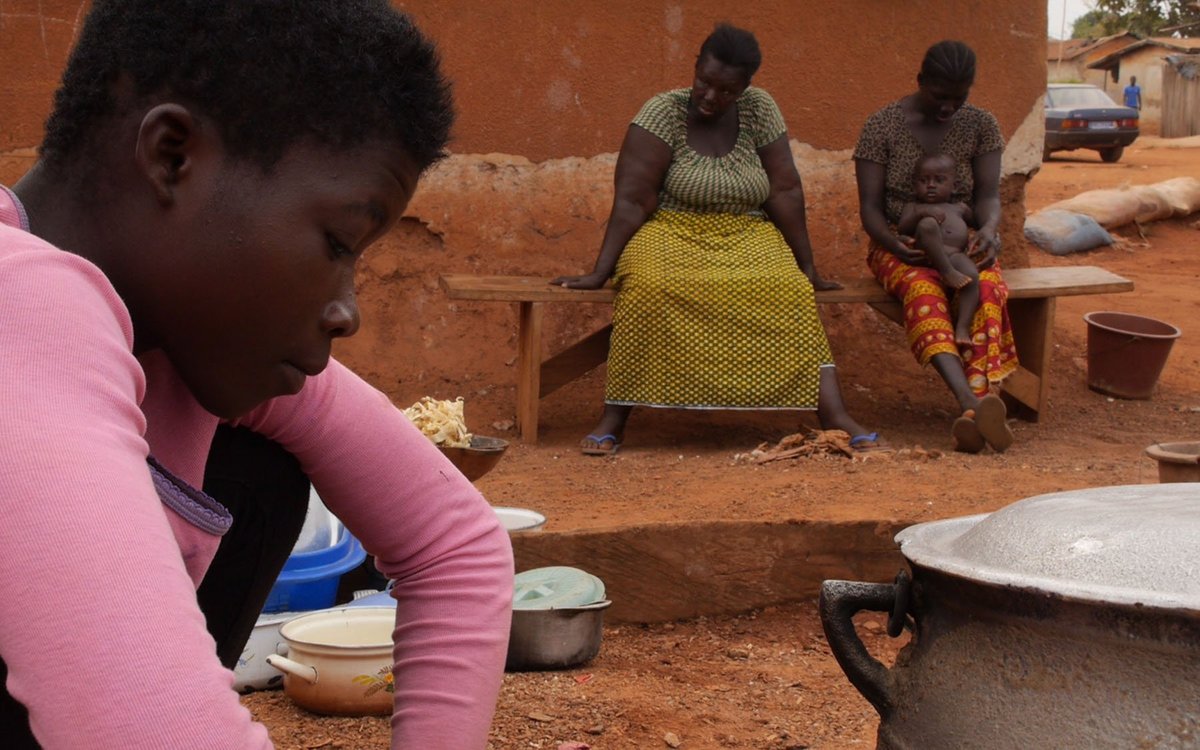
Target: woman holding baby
pixel 937 119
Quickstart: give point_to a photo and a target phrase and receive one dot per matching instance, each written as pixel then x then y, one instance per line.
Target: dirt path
pixel 766 679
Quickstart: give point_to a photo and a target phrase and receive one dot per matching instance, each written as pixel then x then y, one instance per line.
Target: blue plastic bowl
pixel 309 580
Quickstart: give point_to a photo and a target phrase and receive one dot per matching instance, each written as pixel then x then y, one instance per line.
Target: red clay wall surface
pixel 556 79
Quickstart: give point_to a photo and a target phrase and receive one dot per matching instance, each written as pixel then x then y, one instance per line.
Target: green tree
pixel 1088 26
pixel 1148 17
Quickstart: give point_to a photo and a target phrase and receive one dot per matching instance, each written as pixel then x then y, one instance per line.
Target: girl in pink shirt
pixel 181 257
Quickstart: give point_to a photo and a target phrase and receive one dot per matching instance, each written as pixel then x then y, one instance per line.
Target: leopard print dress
pixel 887 139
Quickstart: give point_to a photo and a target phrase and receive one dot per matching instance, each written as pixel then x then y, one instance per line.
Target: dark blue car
pixel 1083 116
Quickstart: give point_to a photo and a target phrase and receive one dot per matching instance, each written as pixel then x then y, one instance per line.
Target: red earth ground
pixel 766 679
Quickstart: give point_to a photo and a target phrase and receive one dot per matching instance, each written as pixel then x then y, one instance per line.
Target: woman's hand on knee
pixel 983 249
pixel 907 251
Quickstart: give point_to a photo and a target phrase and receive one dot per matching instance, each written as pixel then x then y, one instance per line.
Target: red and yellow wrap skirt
pixel 992 355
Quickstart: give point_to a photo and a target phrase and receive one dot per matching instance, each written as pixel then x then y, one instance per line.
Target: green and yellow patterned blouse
pixel 733 183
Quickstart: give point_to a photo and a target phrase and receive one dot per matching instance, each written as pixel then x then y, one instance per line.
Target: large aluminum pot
pixel 339 661
pixel 557 619
pixel 1069 620
pixel 555 638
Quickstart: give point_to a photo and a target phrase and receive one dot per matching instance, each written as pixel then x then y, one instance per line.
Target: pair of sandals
pixel 985 425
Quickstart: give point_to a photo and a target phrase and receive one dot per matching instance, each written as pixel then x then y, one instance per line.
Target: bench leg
pixel 529 368
pixel 1028 389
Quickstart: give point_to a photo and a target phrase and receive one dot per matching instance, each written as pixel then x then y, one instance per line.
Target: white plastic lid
pixel 1135 544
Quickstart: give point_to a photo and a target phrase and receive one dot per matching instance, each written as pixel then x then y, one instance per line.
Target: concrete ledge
pixel 661 572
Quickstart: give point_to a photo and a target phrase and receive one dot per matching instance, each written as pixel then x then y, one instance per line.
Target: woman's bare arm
pixel 785 207
pixel 869 176
pixel 986 173
pixel 641 167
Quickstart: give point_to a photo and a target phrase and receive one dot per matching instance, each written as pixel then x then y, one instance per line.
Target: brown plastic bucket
pixel 1126 352
pixel 1177 462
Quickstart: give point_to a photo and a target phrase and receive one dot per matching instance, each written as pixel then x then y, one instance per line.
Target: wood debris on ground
pixel 827 444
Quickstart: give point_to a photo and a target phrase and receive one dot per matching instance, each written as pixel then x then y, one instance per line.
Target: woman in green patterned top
pixel 708 249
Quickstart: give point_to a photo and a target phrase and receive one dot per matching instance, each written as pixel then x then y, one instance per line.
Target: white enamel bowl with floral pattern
pixel 339 661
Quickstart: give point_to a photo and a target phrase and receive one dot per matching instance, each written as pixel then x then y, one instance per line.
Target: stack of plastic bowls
pixel 324 551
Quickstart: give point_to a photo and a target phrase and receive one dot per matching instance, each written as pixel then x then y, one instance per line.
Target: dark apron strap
pixel 263 487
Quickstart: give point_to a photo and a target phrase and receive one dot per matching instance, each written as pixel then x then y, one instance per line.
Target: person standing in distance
pixel 1133 94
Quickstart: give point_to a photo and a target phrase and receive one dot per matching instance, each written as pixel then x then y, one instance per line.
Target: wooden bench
pixel 1031 305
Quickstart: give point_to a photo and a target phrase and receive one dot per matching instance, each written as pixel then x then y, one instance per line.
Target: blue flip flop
pixel 598 449
pixel 870 437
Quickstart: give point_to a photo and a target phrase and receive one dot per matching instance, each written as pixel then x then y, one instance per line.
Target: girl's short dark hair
pixel 734 47
pixel 267 72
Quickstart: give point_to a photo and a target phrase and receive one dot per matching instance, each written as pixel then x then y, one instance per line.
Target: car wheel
pixel 1110 155
pixel 1046 154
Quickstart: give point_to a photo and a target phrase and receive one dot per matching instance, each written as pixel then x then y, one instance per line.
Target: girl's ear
pixel 166 148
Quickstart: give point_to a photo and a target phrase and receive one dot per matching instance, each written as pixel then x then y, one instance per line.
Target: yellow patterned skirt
pixel 713 313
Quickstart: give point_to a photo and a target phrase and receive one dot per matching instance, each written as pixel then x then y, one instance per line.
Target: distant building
pixel 1148 60
pixel 1067 60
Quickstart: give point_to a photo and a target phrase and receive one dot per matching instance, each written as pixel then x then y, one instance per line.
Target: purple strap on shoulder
pixel 197 508
pixel 11 208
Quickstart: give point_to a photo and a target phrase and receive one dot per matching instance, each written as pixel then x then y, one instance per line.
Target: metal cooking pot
pixel 1069 620
pixel 555 638
pixel 339 661
pixel 557 619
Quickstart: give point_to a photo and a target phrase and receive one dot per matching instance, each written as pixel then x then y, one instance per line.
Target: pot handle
pixel 839 602
pixel 287 666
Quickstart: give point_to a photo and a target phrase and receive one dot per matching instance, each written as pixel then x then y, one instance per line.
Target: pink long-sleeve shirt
pixel 99 624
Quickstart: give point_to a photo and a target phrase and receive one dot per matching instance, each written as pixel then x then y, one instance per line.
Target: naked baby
pixel 942 230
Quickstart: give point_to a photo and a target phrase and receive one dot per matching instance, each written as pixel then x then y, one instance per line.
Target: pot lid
pixel 1133 544
pixel 555 587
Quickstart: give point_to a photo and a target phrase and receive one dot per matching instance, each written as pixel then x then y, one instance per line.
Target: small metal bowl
pixel 516 520
pixel 480 458
pixel 555 638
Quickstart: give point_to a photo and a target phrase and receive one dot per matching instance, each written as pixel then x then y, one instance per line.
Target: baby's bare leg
pixel 968 297
pixel 929 238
